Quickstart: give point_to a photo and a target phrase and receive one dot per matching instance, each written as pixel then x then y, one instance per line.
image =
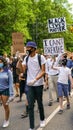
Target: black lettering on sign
pixel 56 25
pixel 45 41
pixel 47 50
pixel 50 21
pixel 62 20
pixel 53 46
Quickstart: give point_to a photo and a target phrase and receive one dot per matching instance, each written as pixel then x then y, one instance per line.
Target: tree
pixel 14 17
pixel 46 9
pixel 30 18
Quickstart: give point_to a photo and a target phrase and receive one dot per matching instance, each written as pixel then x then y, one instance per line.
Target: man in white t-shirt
pixel 52 79
pixel 34 82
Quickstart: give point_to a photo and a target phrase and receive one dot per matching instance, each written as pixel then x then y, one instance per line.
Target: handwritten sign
pixel 53 46
pixel 56 25
pixel 17 42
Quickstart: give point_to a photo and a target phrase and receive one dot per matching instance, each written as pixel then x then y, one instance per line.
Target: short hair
pixel 3 60
pixel 64 62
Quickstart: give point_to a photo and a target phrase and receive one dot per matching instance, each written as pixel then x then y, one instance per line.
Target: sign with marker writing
pixel 56 25
pixel 53 46
pixel 17 42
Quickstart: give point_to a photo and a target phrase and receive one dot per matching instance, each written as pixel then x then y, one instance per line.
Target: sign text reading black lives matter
pixel 56 25
pixel 53 46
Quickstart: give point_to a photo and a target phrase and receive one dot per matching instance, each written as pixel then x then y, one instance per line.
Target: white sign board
pixel 53 46
pixel 56 25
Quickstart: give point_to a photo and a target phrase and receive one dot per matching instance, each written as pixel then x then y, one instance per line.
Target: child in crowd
pixel 64 75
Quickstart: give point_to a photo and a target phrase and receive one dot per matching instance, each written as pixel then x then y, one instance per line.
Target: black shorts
pixel 22 86
pixel 15 79
pixel 5 92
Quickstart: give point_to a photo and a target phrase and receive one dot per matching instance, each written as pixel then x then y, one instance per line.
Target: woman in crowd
pixel 6 84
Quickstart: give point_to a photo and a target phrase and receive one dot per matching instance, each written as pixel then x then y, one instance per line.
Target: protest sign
pixel 56 25
pixel 53 46
pixel 17 42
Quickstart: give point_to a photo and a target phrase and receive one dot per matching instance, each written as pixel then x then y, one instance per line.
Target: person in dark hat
pixel 34 82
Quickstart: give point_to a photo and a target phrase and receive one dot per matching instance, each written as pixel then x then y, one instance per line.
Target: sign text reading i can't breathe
pixel 53 46
pixel 56 25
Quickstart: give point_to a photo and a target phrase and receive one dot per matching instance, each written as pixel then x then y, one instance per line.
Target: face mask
pixel 65 56
pixel 29 52
pixel 1 65
pixel 63 63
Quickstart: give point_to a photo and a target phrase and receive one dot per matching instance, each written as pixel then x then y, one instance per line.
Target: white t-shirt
pixel 34 69
pixel 64 73
pixel 7 59
pixel 49 69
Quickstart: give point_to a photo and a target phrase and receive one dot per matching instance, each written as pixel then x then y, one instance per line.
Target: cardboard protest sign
pixel 17 42
pixel 53 46
pixel 56 25
pixel 11 50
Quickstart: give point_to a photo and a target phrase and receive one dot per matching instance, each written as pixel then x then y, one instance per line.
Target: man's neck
pixel 33 54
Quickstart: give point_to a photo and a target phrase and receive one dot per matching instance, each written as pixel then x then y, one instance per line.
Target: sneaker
pixel 10 100
pixel 24 115
pixel 50 104
pixel 17 95
pixel 42 123
pixel 44 89
pixel 68 106
pixel 60 111
pixel 19 100
pixel 6 124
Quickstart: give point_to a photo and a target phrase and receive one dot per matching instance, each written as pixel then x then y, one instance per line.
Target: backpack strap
pixel 39 60
pixel 27 60
pixel 25 73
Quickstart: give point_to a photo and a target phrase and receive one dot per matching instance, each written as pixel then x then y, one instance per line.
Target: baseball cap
pixel 31 44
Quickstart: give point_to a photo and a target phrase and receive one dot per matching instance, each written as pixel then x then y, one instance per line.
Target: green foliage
pixel 30 18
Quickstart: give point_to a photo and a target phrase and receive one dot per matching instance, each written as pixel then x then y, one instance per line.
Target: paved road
pixel 62 122
pixel 53 121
